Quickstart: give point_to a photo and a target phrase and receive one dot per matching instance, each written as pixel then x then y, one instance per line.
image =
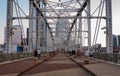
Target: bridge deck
pixel 59 65
pixel 100 68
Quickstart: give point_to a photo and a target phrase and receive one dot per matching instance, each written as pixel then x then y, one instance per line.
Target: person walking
pixel 35 54
pixel 38 53
pixel 91 53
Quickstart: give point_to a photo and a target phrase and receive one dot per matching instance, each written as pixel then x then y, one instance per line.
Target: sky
pixel 24 6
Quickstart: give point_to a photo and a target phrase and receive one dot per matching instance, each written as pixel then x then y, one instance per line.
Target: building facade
pixel 16 34
pixel 114 41
pixel 39 28
pixel 61 35
pixel 118 40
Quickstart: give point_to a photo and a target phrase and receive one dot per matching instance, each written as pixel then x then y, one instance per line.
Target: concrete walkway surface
pixel 98 67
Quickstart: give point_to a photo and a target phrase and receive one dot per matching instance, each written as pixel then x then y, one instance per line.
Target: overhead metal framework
pixel 68 16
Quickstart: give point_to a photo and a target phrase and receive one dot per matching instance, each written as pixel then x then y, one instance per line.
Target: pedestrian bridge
pixel 59 28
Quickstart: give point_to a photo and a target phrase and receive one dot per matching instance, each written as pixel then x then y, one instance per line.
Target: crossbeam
pixel 57 10
pixel 63 17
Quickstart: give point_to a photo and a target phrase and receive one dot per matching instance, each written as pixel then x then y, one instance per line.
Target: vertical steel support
pixel 109 41
pixel 89 25
pixel 46 28
pixel 75 35
pixel 37 26
pixel 9 25
pixel 30 25
pixel 39 35
pixel 80 31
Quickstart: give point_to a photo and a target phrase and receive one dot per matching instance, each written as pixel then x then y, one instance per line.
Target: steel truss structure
pixel 74 11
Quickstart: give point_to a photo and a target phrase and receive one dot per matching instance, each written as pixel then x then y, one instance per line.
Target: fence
pixel 107 57
pixel 13 56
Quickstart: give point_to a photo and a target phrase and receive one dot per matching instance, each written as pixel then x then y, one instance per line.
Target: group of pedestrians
pixel 37 53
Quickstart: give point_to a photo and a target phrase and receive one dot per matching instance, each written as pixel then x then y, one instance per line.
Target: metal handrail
pixel 13 56
pixel 107 57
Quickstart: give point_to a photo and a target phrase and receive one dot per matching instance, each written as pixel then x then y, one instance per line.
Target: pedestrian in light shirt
pixel 38 51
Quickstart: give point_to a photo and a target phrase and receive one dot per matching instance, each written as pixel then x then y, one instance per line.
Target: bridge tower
pixel 109 41
pixel 8 41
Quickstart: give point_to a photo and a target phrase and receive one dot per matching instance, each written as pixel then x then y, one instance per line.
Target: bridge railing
pixel 107 57
pixel 13 56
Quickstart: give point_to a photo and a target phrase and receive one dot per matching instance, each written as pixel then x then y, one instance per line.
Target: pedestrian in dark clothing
pixel 35 54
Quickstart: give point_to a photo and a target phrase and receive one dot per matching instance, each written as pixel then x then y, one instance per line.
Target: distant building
pixel 118 40
pixel 16 37
pixel 98 48
pixel 114 41
pixel 62 27
pixel 2 48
